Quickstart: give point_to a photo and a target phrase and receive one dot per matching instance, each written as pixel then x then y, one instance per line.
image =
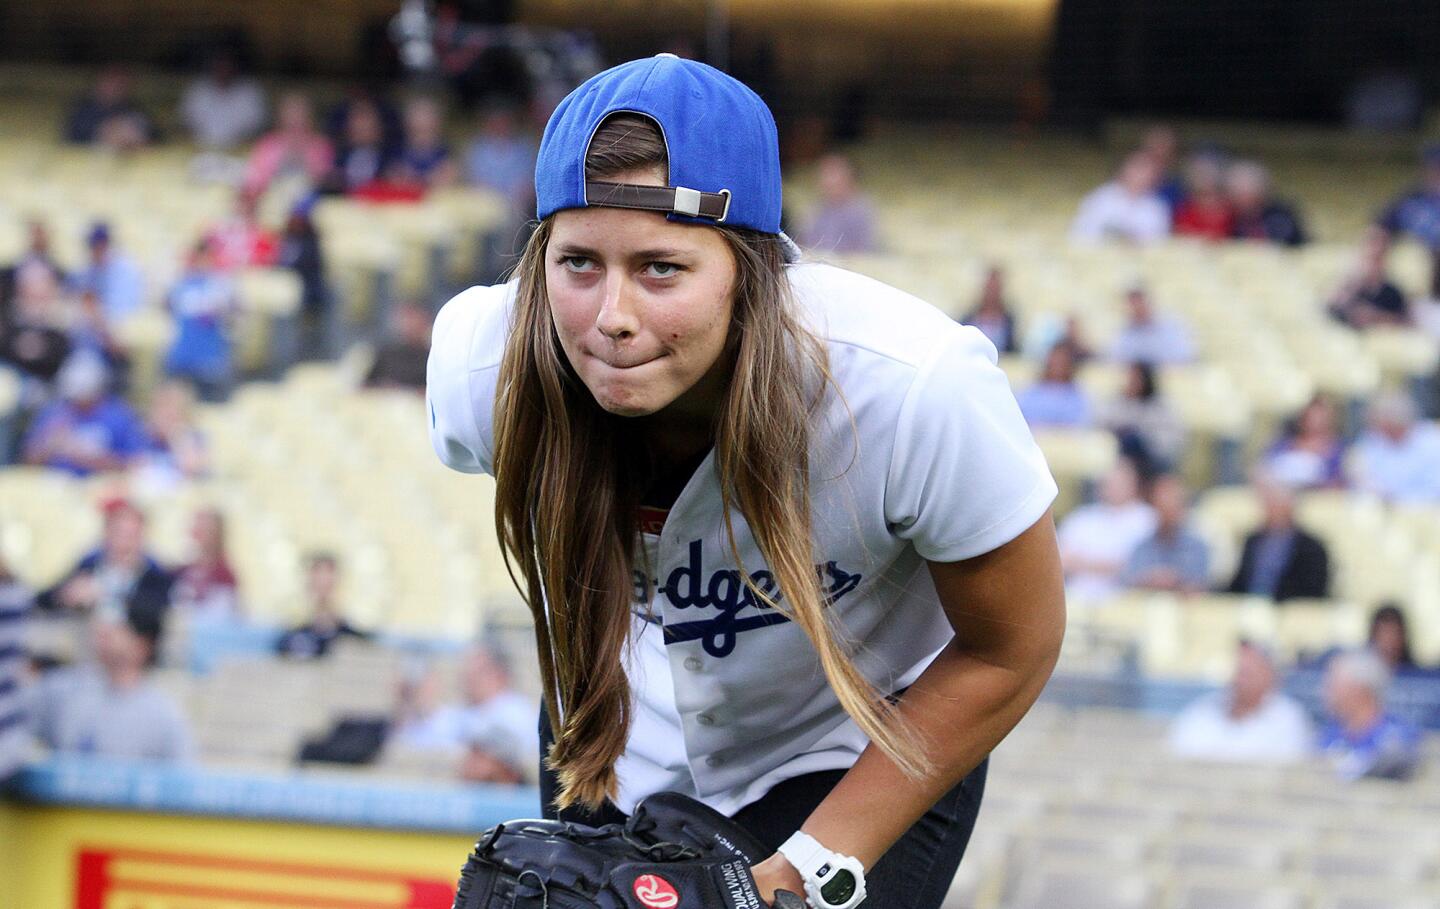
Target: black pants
pixel 914 874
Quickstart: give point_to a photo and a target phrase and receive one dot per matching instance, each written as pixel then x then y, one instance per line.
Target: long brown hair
pixel 569 480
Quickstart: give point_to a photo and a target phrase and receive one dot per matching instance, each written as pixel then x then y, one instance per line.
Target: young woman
pixel 784 534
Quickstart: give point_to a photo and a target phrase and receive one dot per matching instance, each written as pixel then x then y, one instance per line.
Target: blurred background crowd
pixel 225 543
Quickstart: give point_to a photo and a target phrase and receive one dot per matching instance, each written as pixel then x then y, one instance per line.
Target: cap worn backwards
pixel 719 136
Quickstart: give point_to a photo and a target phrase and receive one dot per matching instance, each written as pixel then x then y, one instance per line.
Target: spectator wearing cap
pixel 1257 215
pixel 1148 430
pixel 327 623
pixel 88 430
pixel 206 588
pixel 1173 558
pixel 1205 211
pixel 111 275
pixel 1097 539
pixel 16 600
pixel 108 115
pixel 1251 720
pixel 1398 457
pixel 1128 209
pixel 1361 737
pixel 222 108
pixel 1310 454
pixel 401 362
pixel 110 707
pixel 119 576
pixel 294 148
pixel 1055 401
pixel 1150 337
pixel 203 302
pixel 1368 298
pixel 1280 560
pixel 1417 212
pixel 992 313
pixel 845 219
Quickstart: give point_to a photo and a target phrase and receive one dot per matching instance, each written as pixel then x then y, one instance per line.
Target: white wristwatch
pixel 832 880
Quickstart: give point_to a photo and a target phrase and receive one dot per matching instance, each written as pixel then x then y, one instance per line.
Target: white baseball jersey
pixel 730 698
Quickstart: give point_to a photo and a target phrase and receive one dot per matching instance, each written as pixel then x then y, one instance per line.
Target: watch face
pixel 838 890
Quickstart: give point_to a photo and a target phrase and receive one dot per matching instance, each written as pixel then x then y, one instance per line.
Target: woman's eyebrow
pixel 571 249
pixel 668 252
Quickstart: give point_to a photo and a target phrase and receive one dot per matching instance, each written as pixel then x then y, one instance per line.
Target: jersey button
pixel 693 664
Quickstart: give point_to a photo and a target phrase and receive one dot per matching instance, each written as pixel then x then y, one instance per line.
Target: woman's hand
pixel 776 873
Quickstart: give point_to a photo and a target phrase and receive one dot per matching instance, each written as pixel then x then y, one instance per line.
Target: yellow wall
pixel 156 862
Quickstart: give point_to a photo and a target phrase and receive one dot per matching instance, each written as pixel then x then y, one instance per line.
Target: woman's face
pixel 642 305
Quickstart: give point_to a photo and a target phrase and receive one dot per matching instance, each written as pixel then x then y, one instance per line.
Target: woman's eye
pixel 662 269
pixel 578 264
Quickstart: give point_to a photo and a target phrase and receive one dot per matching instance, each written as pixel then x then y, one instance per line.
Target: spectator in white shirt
pixel 221 109
pixel 1399 457
pixel 1251 720
pixel 1150 337
pixel 1097 540
pixel 1128 209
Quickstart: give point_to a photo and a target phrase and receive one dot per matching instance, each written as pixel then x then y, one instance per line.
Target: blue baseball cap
pixel 719 136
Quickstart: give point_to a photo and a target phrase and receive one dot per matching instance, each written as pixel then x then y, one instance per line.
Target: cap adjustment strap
pixel 678 200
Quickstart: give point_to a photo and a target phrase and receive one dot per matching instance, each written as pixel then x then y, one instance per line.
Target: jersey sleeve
pixel 457 376
pixel 966 476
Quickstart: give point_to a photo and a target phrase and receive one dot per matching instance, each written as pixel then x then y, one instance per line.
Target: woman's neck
pixel 686 428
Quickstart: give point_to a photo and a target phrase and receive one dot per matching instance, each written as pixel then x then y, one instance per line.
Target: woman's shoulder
pixel 849 309
pixel 470 329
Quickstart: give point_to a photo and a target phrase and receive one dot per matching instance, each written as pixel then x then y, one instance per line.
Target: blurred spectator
pixel 1417 212
pixel 1311 453
pixel 206 588
pixel 365 155
pixel 992 314
pixel 1384 100
pixel 1097 540
pixel 1368 298
pixel 107 115
pixel 1205 211
pixel 1362 739
pixel 1128 208
pixel 493 724
pixel 845 219
pixel 1055 401
pixel 203 302
pixel 300 252
pixel 1049 330
pixel 222 108
pixel 1149 432
pixel 34 335
pixel 371 96
pixel 111 708
pixel 91 330
pixel 174 449
pixel 37 256
pixel 111 275
pixel 118 577
pixel 1251 720
pixel 327 622
pixel 1389 638
pixel 15 603
pixel 501 158
pixel 1156 339
pixel 1281 561
pixel 1398 458
pixel 88 429
pixel 241 241
pixel 425 158
pixel 293 148
pixel 1174 557
pixel 1257 215
pixel 400 363
pixel 1162 144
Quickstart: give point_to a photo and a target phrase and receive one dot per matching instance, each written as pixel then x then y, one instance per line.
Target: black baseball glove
pixel 672 853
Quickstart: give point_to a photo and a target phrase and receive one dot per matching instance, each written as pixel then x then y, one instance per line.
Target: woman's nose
pixel 616 319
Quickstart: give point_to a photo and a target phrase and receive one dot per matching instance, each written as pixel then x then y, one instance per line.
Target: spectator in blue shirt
pixel 1172 558
pixel 501 158
pixel 1417 212
pixel 1398 457
pixel 203 303
pixel 1361 738
pixel 88 429
pixel 1055 401
pixel 15 602
pixel 112 276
